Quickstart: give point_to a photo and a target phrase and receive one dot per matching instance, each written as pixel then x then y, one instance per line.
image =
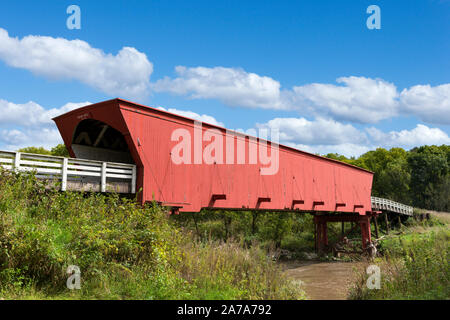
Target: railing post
pixel 17 161
pixel 64 174
pixel 103 183
pixel 133 180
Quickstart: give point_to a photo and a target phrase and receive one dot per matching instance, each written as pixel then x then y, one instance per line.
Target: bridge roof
pixel 120 101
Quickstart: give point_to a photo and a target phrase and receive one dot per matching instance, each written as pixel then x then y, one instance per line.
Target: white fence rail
pixel 73 172
pixel 389 205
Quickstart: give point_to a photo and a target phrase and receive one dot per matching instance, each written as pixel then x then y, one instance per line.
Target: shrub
pixel 124 250
pixel 414 267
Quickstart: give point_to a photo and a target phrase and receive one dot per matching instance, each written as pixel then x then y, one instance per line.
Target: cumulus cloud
pixel 430 104
pixel 232 86
pixel 358 99
pixel 31 113
pixel 347 149
pixel 125 74
pixel 353 99
pixel 329 136
pixel 30 124
pixel 15 139
pixel 315 132
pixel 420 135
pixel 199 117
pixel 320 135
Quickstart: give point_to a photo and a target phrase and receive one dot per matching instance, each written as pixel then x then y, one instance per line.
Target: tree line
pixel 419 177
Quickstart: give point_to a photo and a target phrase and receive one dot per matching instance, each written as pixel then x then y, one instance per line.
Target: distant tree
pixel 394 180
pixel 60 150
pixel 36 150
pixel 391 171
pixel 340 157
pixel 429 176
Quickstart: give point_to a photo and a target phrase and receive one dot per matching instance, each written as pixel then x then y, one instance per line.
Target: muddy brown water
pixel 324 280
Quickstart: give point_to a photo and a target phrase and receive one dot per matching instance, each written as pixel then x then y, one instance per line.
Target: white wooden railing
pixel 389 205
pixel 68 170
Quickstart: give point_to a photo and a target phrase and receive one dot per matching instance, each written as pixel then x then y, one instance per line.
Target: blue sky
pixel 243 64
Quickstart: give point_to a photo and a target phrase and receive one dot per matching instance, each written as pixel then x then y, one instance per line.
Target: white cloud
pixel 430 104
pixel 328 136
pixel 420 135
pixel 31 113
pixel 232 86
pixel 190 114
pixel 126 74
pixel 347 149
pixel 354 99
pixel 359 99
pixel 319 135
pixel 30 124
pixel 15 139
pixel 317 132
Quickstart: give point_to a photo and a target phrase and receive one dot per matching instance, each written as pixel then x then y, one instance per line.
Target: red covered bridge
pixel 170 171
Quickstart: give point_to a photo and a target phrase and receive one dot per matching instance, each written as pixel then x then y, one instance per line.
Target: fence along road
pixel 74 174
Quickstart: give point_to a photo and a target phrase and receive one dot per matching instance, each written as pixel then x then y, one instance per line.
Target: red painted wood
pixel 304 181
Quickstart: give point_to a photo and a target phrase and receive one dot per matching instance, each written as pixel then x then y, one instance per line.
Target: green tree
pixel 60 150
pixel 36 150
pixel 429 176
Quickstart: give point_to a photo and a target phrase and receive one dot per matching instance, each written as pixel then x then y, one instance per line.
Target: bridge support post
pixel 17 161
pixel 64 174
pixel 365 230
pixel 321 242
pixel 321 221
pixel 387 222
pixel 375 221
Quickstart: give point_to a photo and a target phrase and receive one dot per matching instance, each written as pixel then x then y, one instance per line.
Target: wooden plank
pixel 103 188
pixel 120 165
pixel 41 158
pixel 87 168
pixel 133 180
pixel 39 170
pixel 64 175
pixel 120 176
pixel 83 173
pixel 9 160
pixel 17 160
pixel 94 186
pixel 127 171
pixel 7 154
pixel 42 164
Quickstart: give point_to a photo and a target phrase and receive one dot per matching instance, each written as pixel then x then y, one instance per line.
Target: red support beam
pixel 321 221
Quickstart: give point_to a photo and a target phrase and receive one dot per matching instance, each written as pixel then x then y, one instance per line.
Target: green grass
pixel 414 265
pixel 124 251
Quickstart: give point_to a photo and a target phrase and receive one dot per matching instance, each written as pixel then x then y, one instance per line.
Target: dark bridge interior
pixel 96 140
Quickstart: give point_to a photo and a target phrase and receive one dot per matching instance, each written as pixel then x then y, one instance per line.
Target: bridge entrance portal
pixel 96 140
